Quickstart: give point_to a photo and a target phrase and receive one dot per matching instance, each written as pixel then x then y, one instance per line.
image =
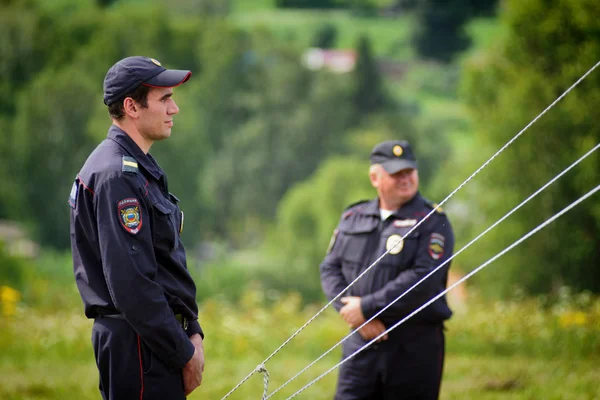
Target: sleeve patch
pixel 130 215
pixel 436 246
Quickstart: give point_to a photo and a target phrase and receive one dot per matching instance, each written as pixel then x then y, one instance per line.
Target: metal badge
pixel 394 244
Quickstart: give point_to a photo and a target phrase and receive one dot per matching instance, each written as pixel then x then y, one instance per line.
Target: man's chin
pixel 163 136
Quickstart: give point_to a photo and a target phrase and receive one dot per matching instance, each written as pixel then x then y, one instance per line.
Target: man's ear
pixel 374 177
pixel 131 107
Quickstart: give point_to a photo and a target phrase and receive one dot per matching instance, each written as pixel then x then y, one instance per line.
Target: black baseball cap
pixel 129 73
pixel 393 155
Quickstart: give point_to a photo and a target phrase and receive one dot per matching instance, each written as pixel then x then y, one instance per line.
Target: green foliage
pixel 13 269
pixel 325 37
pixel 390 37
pixel 563 326
pixel 440 33
pixel 310 211
pixel 548 47
pixel 296 119
pixel 44 141
pixel 369 94
pixel 309 3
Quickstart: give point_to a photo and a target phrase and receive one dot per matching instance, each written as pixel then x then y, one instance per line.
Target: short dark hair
pixel 139 95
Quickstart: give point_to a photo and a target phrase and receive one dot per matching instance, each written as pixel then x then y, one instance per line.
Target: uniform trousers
pixel 407 366
pixel 128 368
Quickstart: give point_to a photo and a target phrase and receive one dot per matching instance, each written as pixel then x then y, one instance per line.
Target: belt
pixel 183 321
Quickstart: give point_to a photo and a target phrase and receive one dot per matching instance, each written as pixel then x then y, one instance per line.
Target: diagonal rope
pixel 441 265
pixel 417 225
pixel 500 254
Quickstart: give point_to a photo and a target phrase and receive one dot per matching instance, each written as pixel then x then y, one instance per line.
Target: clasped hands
pixel 352 313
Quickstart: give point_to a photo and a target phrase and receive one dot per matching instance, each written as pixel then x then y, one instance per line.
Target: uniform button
pixel 134 248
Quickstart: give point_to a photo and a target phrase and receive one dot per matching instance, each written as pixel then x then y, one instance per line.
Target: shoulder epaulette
pixel 433 205
pixel 348 211
pixel 129 165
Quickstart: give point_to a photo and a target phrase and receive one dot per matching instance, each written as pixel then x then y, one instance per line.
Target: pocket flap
pixel 162 208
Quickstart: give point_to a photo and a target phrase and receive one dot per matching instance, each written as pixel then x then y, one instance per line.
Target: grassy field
pixel 518 350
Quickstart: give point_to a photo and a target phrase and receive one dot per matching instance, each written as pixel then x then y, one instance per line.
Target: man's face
pixel 395 189
pixel 156 120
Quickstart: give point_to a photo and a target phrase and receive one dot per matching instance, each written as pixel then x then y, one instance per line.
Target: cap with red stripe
pixel 131 72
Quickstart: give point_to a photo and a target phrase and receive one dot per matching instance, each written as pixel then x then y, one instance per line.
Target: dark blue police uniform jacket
pixel 361 237
pixel 128 258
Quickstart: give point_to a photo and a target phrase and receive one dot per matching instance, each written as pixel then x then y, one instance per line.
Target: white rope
pixel 415 227
pixel 262 369
pixel 500 254
pixel 441 265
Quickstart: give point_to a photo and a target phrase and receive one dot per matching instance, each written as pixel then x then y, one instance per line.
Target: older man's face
pixel 395 189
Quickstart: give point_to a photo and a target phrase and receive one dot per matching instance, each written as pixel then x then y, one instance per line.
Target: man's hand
pixel 192 371
pixel 351 312
pixel 372 330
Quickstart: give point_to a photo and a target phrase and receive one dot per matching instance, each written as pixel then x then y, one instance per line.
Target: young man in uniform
pixel 407 363
pixel 128 258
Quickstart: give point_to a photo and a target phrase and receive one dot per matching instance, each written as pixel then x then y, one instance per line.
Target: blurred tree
pixel 550 45
pixel 369 94
pixel 308 3
pixel 31 40
pixel 485 8
pixel 204 8
pixel 49 142
pixel 105 3
pixel 310 211
pixel 297 120
pixel 440 31
pixel 325 37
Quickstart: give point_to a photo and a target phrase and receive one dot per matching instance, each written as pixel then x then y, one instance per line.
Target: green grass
pixel 503 350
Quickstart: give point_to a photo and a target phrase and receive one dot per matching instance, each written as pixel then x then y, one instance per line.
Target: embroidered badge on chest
pixel 130 215
pixel 436 246
pixel 394 244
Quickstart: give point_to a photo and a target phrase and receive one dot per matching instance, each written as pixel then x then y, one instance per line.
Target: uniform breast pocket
pixel 353 248
pixel 165 230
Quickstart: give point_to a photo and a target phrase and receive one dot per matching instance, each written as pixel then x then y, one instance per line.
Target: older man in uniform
pixel 407 363
pixel 128 258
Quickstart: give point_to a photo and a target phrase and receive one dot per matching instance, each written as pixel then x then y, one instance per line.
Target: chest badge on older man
pixel 394 244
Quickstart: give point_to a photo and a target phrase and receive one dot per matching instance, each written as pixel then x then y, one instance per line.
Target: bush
pixel 13 268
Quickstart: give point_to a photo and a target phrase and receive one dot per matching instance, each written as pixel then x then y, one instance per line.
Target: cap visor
pixel 169 78
pixel 393 166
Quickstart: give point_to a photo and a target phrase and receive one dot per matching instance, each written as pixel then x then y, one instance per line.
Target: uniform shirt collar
pixel 145 160
pixel 406 211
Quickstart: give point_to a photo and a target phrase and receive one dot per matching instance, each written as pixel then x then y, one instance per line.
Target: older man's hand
pixel 372 330
pixel 351 311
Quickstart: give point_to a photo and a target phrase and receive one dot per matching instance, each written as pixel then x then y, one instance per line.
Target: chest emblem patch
pixel 394 244
pixel 130 215
pixel 436 246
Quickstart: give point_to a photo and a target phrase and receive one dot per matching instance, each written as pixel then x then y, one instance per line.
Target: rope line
pixel 441 265
pixel 498 255
pixel 418 224
pixel 262 369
